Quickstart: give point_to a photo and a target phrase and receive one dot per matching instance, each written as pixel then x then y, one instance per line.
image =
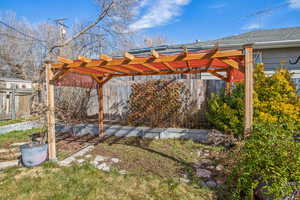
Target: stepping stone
pixel 103 167
pixel 67 162
pixel 99 158
pixel 7 164
pixel 115 160
pixel 184 180
pixel 203 173
pixel 211 184
pixel 80 161
pixel 220 168
pixel 123 172
pixel 17 144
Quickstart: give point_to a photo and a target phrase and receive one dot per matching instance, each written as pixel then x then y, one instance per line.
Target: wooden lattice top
pixel 211 61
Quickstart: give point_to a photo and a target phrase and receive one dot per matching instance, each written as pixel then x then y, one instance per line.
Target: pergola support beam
pixel 101 110
pixel 50 114
pixel 248 49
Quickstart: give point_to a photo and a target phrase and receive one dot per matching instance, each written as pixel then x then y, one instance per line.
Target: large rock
pixel 203 173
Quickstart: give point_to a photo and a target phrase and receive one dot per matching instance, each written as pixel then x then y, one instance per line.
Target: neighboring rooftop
pixel 14 80
pixel 271 38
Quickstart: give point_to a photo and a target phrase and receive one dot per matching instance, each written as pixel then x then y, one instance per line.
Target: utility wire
pixel 20 32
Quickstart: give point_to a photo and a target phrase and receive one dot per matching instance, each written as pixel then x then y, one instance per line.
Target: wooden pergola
pixel 227 65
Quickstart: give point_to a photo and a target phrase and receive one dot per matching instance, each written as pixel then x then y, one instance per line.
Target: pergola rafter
pixel 220 63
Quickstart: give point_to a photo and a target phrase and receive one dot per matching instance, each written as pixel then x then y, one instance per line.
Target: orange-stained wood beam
pixel 106 58
pixel 230 62
pixel 169 66
pixel 60 74
pixel 173 72
pixel 119 69
pixel 132 68
pixel 220 76
pixel 98 74
pixel 128 56
pixel 154 54
pixel 102 69
pixel 84 59
pixel 64 60
pixel 151 67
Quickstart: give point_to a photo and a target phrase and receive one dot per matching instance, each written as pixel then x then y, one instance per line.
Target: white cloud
pixel 251 26
pixel 295 4
pixel 158 13
pixel 218 6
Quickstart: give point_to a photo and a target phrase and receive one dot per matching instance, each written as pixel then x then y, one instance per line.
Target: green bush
pixel 275 101
pixel 269 156
pixel 227 112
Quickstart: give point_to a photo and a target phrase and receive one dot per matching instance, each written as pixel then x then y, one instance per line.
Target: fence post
pixel 13 101
pixel 50 113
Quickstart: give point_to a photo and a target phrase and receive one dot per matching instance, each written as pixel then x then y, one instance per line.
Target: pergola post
pixel 50 113
pixel 248 49
pixel 101 109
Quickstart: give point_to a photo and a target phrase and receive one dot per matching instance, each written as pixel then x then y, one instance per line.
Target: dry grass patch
pixel 88 183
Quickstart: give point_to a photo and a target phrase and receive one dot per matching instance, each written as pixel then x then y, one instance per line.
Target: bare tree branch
pixel 77 35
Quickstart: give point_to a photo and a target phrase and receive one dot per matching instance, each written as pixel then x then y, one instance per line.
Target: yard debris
pixel 216 138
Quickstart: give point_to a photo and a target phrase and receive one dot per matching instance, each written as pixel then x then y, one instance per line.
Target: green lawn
pixel 87 183
pixel 8 122
pixel 16 136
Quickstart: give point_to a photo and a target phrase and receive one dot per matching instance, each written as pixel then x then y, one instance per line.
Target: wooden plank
pixel 154 54
pixel 50 114
pixel 248 89
pixel 102 69
pixel 106 80
pixel 106 58
pixel 97 79
pixel 128 56
pixel 86 73
pixel 64 60
pixel 84 59
pixel 60 74
pixel 101 110
pixel 151 67
pixel 169 66
pixel 174 72
pixel 230 62
pixel 220 76
pixel 117 69
pixel 133 68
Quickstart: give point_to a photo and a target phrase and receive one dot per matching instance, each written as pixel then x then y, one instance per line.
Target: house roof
pixel 261 39
pixel 4 79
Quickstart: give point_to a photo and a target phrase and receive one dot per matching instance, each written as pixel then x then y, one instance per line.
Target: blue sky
pixel 181 21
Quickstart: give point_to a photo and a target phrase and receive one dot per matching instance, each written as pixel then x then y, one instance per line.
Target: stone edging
pixel 199 135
